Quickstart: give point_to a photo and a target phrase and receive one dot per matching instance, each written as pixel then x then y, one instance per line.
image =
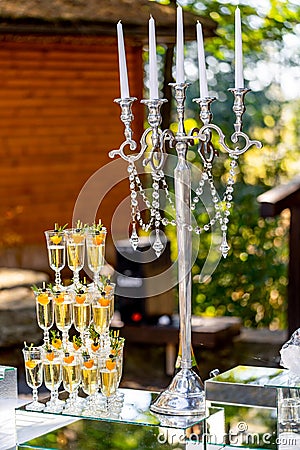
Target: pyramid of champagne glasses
pixel 79 351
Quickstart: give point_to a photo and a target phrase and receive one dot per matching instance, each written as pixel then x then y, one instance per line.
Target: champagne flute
pixel 109 381
pixel 52 367
pixel 34 374
pixel 108 288
pixel 44 310
pixel 71 369
pixel 63 313
pixel 82 313
pixel 117 350
pixel 100 314
pixel 95 245
pixel 75 239
pixel 90 382
pixel 56 251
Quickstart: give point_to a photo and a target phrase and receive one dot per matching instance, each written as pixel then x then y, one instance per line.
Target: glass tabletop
pixel 225 428
pixel 136 410
pixel 91 435
pixel 243 385
pixel 284 380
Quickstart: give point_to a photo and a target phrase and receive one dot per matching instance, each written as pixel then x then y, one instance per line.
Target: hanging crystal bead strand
pixel 134 238
pixel 227 199
pixel 155 211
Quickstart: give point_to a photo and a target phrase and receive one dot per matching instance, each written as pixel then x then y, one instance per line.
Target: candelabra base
pixel 183 397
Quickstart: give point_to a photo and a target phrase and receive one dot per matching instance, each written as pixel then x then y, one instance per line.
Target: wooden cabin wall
pixel 58 122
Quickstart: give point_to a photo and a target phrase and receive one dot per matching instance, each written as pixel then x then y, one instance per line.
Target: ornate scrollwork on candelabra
pixel 160 141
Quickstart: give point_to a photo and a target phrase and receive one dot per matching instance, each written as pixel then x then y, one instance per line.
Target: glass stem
pixel 35 395
pixel 54 395
pixel 57 278
pixel 96 278
pixel 46 336
pixel 76 277
pixel 65 336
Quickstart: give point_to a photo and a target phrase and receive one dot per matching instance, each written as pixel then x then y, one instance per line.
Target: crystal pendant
pixel 134 239
pixel 157 245
pixel 224 246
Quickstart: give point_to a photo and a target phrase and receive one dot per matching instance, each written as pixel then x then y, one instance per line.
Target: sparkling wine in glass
pixel 44 310
pixel 108 290
pixel 71 368
pixel 34 374
pixel 75 243
pixel 63 313
pixel 56 251
pixel 95 245
pixel 52 368
pixel 116 351
pixel 109 381
pixel 90 382
pixel 100 317
pixel 82 311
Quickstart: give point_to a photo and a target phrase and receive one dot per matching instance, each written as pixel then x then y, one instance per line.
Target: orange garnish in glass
pixel 30 364
pixel 98 239
pixel 69 359
pixel 59 298
pixel 80 298
pixel 43 298
pixel 88 364
pixel 108 288
pixel 95 347
pixel 57 343
pixel 50 356
pixel 77 238
pixel 110 365
pixel 104 301
pixel 56 239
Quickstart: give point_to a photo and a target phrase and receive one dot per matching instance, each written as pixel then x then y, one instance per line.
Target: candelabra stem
pixel 185 394
pixel 182 179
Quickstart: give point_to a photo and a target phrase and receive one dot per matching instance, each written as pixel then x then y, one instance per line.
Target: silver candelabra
pixel 185 394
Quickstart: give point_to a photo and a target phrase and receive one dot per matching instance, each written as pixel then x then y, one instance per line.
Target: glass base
pixel 72 410
pixel 35 406
pixel 183 397
pixel 53 408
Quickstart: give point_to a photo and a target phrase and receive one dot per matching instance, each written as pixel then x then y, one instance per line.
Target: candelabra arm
pixel 180 97
pixel 205 147
pixel 239 109
pixel 239 106
pixel 156 157
pixel 205 109
pixel 126 117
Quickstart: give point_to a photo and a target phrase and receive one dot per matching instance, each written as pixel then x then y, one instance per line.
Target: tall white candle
pixel 153 80
pixel 122 63
pixel 201 63
pixel 239 77
pixel 179 48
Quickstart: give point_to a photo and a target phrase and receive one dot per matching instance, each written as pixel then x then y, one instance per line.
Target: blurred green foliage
pixel 102 435
pixel 251 282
